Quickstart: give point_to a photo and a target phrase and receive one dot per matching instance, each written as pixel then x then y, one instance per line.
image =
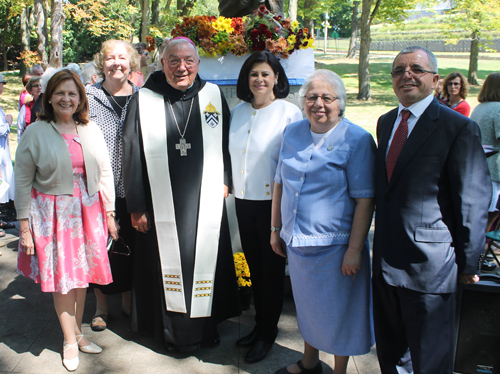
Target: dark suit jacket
pixel 431 218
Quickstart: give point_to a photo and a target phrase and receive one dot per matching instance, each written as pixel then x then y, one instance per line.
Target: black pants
pixel 414 331
pixel 267 269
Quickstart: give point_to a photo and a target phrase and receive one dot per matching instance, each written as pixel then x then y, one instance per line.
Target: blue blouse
pixel 320 184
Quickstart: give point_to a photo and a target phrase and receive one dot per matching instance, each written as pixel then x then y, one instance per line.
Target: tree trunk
pixel 183 6
pixel 276 6
pixel 364 53
pixel 354 31
pixel 5 49
pixel 41 30
pixel 144 20
pixel 25 36
pixel 308 21
pixel 5 62
pixel 292 10
pixel 473 60
pixel 56 29
pixel 155 12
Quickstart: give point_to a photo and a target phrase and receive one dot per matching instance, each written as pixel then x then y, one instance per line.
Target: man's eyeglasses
pixel 414 72
pixel 327 99
pixel 175 62
pixel 455 84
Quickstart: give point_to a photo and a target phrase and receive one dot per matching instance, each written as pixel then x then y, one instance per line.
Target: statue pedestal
pixel 224 72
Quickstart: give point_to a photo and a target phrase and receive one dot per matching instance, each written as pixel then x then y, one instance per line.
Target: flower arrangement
pixel 242 270
pixel 262 31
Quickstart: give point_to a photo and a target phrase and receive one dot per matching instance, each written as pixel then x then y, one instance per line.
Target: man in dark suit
pixel 432 193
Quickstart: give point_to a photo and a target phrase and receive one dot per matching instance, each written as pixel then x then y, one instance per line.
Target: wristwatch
pixel 273 229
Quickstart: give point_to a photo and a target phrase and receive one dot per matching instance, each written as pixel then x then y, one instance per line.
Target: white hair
pixel 330 78
pixel 47 75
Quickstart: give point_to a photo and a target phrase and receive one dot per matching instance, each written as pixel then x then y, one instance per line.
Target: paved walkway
pixel 31 339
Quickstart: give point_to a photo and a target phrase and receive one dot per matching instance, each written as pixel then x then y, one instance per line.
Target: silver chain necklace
pixel 182 146
pixel 121 107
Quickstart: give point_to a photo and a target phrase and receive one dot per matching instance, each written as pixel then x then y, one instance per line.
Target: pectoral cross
pixel 183 146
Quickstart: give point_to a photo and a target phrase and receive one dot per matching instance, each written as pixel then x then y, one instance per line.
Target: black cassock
pixel 176 329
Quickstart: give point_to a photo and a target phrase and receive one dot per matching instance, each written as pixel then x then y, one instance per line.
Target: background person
pixel 432 195
pixel 108 104
pixel 140 75
pixel 37 105
pixel 487 116
pixel 6 169
pixel 322 209
pixel 254 142
pixel 455 90
pixel 34 88
pixel 438 91
pixel 37 70
pixel 64 191
pixel 24 91
pixel 90 75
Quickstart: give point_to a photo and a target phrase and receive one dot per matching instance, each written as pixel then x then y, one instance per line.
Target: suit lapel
pixel 419 135
pixel 383 135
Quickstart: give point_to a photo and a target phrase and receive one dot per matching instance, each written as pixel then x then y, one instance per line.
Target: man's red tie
pixel 398 142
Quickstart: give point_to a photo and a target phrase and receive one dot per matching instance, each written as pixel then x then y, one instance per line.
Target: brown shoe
pixel 99 323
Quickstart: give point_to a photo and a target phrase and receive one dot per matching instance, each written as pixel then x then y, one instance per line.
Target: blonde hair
pixel 108 46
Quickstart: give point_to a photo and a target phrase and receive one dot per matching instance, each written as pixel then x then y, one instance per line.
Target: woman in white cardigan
pixel 254 143
pixel 65 204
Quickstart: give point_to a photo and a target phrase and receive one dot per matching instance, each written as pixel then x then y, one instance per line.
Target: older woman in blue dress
pixel 322 211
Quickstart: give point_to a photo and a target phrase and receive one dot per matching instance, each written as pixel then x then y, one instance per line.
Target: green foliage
pixel 473 16
pixel 394 11
pixel 91 22
pixel 10 40
pixel 206 7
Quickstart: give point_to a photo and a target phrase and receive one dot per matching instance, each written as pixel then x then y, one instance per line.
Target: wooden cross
pixel 183 146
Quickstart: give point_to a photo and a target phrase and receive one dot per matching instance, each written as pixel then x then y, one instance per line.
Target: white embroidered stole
pixel 152 113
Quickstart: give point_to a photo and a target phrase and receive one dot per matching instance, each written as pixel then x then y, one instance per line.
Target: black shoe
pixel 248 340
pixel 488 265
pixel 318 369
pixel 258 351
pixel 213 342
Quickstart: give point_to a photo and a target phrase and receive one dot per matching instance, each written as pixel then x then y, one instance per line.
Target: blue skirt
pixel 334 311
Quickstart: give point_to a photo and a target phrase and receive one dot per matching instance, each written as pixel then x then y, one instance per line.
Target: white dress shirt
pixel 254 144
pixel 416 111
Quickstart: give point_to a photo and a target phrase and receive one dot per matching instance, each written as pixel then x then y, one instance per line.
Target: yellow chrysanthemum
pixel 295 25
pixel 223 24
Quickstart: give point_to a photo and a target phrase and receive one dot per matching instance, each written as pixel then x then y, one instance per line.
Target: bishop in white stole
pixel 211 199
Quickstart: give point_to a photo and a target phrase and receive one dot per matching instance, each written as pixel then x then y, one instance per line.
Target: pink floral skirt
pixel 70 236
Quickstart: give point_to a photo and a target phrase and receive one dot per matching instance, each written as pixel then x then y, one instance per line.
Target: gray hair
pixel 75 68
pixel 330 78
pixel 175 42
pixel 433 63
pixel 88 71
pixel 36 67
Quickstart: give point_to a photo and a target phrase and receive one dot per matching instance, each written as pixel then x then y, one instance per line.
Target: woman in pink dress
pixel 65 205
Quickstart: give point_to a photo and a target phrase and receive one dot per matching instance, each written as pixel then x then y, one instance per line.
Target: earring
pixel 50 102
pixel 275 83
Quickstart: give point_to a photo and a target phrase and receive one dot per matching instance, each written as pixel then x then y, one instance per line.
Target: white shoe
pixel 71 364
pixel 91 348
